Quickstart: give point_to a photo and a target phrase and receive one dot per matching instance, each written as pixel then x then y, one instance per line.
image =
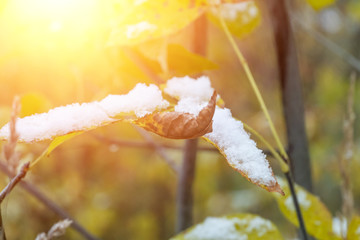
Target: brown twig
pixel 34 191
pixel 346 153
pixel 142 144
pixel 9 148
pixel 14 181
pixel 159 149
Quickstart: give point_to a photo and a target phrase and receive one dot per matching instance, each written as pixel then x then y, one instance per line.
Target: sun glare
pixel 36 20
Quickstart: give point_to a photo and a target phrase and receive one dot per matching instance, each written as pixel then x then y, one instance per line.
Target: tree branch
pixel 34 191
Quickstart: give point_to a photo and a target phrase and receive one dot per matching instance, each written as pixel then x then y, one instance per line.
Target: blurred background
pixel 54 53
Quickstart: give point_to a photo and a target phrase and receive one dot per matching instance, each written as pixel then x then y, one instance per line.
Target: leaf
pixel 317 218
pixel 354 229
pixel 152 19
pixel 241 18
pixel 228 134
pixel 235 226
pixel 178 125
pixel 320 4
pixel 182 62
pixel 60 140
pixel 33 103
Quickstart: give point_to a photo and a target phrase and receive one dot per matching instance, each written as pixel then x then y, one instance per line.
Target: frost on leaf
pixel 232 227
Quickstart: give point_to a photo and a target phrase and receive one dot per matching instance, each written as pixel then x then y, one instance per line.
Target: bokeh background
pixel 54 53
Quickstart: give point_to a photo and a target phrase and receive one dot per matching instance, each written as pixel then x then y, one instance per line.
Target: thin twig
pixel 297 206
pixel 346 153
pixel 159 149
pixel 254 86
pixel 34 191
pixel 326 42
pixel 10 155
pixel 142 144
pixel 15 180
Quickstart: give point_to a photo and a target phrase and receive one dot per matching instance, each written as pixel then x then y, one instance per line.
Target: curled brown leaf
pixel 178 125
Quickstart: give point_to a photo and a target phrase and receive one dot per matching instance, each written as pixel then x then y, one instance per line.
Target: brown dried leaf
pixel 178 125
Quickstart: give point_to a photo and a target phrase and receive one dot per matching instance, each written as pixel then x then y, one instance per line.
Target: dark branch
pixel 48 203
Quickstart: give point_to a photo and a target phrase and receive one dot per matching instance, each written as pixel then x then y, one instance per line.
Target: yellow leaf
pixel 235 226
pixel 54 144
pixel 354 229
pixel 178 125
pixel 182 62
pixel 241 18
pixel 33 103
pixel 317 218
pixel 320 4
pixel 152 19
pixel 61 139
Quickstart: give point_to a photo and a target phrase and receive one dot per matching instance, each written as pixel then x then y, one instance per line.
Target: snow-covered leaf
pixel 354 229
pixel 232 227
pixel 194 114
pixel 241 18
pixel 140 21
pixel 317 218
pixel 152 19
pixel 228 134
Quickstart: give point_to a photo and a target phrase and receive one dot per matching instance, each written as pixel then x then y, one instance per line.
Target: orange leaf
pixel 178 125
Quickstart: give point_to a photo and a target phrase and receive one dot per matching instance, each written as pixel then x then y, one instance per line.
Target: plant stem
pixel 254 87
pixel 184 201
pixel 271 125
pixel 297 206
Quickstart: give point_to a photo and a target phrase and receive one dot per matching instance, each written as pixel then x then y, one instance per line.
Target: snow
pixel 216 228
pixel 302 198
pixel 228 134
pixel 76 117
pixel 339 227
pixel 186 87
pixel 257 224
pixel 142 100
pixel 357 232
pixel 193 94
pixel 135 30
pixel 230 11
pixel 230 228
pixel 240 151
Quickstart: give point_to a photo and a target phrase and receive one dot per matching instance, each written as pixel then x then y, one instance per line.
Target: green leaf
pixel 354 229
pixel 317 218
pixel 236 226
pixel 182 62
pixel 320 4
pixel 241 18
